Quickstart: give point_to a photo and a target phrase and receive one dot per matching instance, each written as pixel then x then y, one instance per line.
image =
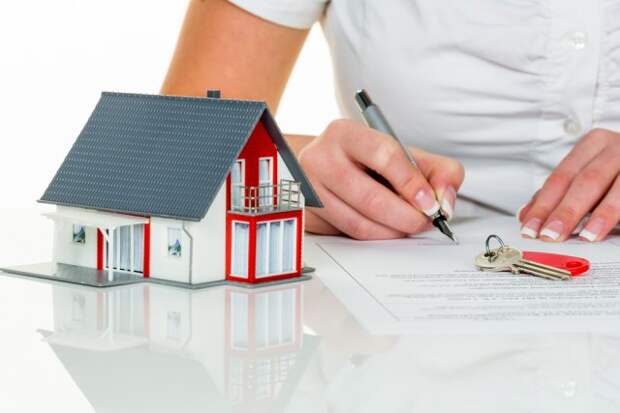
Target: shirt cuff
pixel 297 14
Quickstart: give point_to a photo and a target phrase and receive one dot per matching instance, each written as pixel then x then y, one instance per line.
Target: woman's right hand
pixel 359 206
pixel 228 48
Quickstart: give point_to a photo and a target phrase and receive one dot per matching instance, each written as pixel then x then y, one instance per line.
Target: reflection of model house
pixel 92 320
pixel 181 189
pixel 263 339
pixel 153 348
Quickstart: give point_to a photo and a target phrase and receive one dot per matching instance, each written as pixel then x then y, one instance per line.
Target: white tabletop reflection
pixel 288 348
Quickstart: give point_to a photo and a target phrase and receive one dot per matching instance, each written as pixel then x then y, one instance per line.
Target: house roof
pixel 165 156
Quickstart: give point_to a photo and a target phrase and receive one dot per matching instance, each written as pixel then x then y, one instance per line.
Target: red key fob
pixel 575 265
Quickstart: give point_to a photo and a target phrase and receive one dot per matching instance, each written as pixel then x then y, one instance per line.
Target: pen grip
pixel 376 120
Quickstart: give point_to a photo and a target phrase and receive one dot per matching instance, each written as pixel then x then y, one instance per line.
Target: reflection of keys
pixel 511 259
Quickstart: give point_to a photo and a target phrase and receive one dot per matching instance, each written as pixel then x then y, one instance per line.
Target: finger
pixel 317 225
pixel 556 185
pixel 605 217
pixel 350 222
pixel 523 211
pixel 525 208
pixel 445 176
pixel 440 169
pixel 584 193
pixel 447 201
pixel 383 154
pixel 370 198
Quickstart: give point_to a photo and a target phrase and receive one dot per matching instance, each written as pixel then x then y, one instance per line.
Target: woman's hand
pixel 356 204
pixel 587 180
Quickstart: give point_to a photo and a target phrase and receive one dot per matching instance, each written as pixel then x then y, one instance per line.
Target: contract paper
pixel 426 284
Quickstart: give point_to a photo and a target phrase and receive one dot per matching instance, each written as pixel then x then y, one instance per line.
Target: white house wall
pixel 209 253
pixel 283 171
pixel 68 252
pixel 164 266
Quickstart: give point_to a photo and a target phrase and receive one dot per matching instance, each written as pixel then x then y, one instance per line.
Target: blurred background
pixel 57 56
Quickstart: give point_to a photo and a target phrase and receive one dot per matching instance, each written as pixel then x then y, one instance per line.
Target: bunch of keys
pixel 511 259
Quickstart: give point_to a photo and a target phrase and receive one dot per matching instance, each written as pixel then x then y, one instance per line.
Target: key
pixel 575 265
pixel 511 259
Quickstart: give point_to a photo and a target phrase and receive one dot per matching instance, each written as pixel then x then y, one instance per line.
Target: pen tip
pixel 442 224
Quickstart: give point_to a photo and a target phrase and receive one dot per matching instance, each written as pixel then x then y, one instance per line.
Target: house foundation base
pixel 95 278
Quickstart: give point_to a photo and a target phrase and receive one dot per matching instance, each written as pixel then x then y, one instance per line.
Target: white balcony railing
pixel 267 198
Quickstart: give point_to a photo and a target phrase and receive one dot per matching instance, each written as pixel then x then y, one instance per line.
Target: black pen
pixel 375 119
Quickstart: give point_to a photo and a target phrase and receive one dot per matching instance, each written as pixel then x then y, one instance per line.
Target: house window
pixel 174 242
pixel 237 184
pixel 127 252
pixel 275 247
pixel 265 181
pixel 240 248
pixel 262 239
pixel 289 239
pixel 79 234
pixel 123 243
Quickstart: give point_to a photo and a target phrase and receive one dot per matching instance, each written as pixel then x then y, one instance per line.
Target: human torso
pixel 507 87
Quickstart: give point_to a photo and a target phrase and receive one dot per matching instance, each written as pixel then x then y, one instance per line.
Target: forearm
pixel 224 47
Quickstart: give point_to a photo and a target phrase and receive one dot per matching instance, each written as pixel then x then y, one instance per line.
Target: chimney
pixel 214 93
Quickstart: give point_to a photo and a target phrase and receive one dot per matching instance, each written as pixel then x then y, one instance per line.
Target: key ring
pixel 492 256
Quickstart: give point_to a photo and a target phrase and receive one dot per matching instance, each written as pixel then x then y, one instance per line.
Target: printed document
pixel 425 284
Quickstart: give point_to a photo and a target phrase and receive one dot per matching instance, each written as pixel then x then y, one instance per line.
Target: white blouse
pixel 505 86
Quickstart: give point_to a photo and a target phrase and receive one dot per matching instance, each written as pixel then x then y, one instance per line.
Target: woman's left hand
pixel 587 180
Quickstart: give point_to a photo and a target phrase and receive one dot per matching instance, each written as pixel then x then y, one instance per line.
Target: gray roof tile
pixel 161 155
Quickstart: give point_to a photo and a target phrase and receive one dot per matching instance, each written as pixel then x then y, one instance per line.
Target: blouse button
pixel 572 127
pixel 577 40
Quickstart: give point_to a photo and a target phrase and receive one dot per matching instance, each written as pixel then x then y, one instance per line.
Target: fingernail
pixel 581 225
pixel 426 202
pixel 593 229
pixel 448 202
pixel 531 228
pixel 553 230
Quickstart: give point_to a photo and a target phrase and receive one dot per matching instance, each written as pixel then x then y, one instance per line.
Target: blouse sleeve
pixel 298 14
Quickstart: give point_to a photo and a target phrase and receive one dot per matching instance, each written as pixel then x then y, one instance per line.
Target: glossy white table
pixel 292 348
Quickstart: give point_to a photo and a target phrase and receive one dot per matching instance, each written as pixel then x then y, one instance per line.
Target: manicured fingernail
pixel 593 229
pixel 531 228
pixel 553 230
pixel 427 202
pixel 580 225
pixel 448 201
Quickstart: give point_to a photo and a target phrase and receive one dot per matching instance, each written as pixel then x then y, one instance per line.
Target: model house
pixel 185 190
